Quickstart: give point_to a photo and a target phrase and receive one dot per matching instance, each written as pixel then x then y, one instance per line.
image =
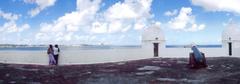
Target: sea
pixel 94 47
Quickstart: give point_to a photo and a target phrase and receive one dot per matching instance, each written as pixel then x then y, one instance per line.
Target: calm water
pixel 199 46
pixel 98 47
pixel 68 48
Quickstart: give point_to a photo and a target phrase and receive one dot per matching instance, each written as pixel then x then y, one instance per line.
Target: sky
pixel 114 22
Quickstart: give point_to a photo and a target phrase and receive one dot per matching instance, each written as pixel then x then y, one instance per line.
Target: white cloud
pixel 201 27
pixel 72 28
pixel 185 21
pixel 125 29
pixel 219 5
pixel 184 17
pixel 98 27
pixel 157 23
pixel 196 27
pixel 130 9
pixel 171 13
pixel 82 5
pixel 115 26
pixel 71 22
pixel 41 5
pixel 127 12
pixel 9 16
pixel 10 31
pixel 68 36
pixel 139 26
pixel 42 37
pixel 88 20
pixel 10 25
pixel 65 26
pixel 134 13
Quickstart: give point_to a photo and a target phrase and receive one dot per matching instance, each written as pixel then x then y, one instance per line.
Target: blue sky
pixel 114 22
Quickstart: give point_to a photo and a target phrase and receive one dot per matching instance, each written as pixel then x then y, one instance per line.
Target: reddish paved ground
pixel 220 70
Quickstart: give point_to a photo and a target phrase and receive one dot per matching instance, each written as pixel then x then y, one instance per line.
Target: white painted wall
pixel 102 56
pixel 24 57
pixel 68 57
pixel 184 52
pixel 75 57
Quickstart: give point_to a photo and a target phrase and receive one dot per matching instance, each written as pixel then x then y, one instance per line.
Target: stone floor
pixel 220 70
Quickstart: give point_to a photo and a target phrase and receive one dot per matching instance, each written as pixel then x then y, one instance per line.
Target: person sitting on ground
pixel 197 59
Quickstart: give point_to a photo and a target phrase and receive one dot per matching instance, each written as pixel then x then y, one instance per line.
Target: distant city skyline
pixel 114 22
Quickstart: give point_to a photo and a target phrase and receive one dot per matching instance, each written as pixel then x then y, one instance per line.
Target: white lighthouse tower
pixel 153 39
pixel 231 39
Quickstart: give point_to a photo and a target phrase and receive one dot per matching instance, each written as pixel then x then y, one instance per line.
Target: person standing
pixel 50 55
pixel 56 52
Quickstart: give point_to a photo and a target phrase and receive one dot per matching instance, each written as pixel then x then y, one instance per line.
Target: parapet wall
pixel 184 52
pixel 108 55
pixel 74 57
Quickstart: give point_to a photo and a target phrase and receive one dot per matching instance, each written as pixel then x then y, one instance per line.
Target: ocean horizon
pixel 93 47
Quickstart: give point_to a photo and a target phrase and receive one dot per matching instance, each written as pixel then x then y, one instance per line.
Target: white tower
pixel 153 39
pixel 231 38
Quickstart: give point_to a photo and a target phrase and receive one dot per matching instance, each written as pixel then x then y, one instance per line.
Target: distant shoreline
pixel 89 47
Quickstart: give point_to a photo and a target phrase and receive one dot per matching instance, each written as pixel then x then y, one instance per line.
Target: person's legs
pixel 56 59
pixel 50 59
pixel 53 60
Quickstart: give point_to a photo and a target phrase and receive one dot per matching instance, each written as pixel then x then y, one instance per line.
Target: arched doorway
pixel 230 48
pixel 155 49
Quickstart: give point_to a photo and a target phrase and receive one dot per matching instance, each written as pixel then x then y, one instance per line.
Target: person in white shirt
pixel 56 52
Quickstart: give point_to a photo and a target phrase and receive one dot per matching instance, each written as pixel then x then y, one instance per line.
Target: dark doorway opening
pixel 155 49
pixel 230 48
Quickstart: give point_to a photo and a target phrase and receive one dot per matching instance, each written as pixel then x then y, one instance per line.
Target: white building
pixel 231 39
pixel 152 39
